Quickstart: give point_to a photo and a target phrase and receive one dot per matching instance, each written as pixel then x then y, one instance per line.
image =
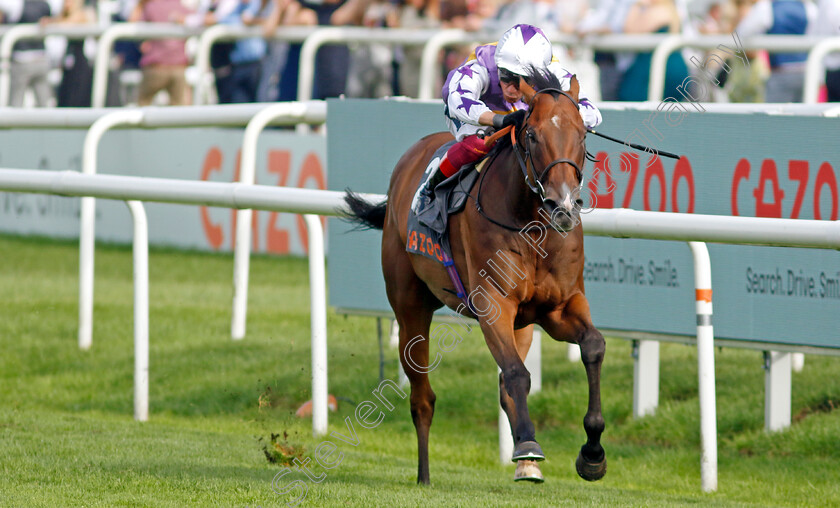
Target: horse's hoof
pixel 591 471
pixel 528 470
pixel 527 450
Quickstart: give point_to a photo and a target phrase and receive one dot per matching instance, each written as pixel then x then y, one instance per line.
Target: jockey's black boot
pixel 433 182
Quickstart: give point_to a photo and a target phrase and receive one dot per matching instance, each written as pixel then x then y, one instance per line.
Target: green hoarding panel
pixel 750 164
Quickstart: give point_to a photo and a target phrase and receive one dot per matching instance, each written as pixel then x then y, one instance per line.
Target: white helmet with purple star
pixel 521 47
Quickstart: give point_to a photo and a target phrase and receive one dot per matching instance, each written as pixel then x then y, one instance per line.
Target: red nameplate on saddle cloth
pixel 422 240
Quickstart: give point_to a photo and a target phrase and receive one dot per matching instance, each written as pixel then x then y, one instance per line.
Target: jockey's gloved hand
pixel 516 118
pixel 590 114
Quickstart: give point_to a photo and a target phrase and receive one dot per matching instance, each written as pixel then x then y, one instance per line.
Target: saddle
pixel 431 208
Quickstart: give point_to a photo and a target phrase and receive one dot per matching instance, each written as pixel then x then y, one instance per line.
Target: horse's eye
pixel 531 136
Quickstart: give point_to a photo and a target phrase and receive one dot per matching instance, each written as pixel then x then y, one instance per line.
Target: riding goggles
pixel 508 77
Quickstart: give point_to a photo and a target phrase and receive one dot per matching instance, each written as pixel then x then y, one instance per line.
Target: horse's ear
pixel 527 90
pixel 574 87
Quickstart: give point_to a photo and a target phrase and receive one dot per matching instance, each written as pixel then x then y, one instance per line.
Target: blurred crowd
pixel 262 69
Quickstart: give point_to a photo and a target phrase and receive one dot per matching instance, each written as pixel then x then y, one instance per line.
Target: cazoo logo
pixel 272 232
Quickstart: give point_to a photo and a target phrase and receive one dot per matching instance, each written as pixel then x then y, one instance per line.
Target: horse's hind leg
pixel 525 469
pixel 413 306
pixel 414 355
pixel 573 324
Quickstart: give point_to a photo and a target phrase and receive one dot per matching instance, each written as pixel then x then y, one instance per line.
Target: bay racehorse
pixel 525 225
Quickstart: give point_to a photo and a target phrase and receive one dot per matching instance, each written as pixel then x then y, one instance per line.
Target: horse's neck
pixel 512 193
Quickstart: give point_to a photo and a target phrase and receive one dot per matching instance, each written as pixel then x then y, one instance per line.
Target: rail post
pixel 815 70
pixel 318 299
pixel 645 377
pixel 87 233
pixel 140 249
pixel 705 366
pixel 777 390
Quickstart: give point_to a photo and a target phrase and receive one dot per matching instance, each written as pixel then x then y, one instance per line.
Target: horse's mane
pixel 540 80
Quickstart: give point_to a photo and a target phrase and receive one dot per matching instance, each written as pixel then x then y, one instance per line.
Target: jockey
pixel 484 92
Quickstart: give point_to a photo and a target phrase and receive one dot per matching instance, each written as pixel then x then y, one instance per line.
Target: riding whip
pixel 636 145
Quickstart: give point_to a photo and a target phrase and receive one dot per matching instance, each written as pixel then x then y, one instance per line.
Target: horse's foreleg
pixel 526 470
pixel 592 463
pixel 523 339
pixel 573 324
pixel 514 384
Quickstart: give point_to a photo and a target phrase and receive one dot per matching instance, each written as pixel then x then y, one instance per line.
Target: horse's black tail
pixel 364 214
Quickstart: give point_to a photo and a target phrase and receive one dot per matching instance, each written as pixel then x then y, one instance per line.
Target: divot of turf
pixel 281 452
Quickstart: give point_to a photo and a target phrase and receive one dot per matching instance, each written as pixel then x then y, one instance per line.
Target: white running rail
pixel 620 223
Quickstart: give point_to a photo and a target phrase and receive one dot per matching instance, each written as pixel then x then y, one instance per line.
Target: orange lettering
pixel 629 162
pixel 254 232
pixel 825 176
pixel 277 240
pixel 768 175
pixel 604 200
pixel 213 232
pixel 655 169
pixel 742 172
pixel 683 170
pixel 798 170
pixel 311 170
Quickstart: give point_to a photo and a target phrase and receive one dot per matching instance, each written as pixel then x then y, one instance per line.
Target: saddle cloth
pixel 427 224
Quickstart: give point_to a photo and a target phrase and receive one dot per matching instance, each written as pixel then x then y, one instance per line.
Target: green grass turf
pixel 68 438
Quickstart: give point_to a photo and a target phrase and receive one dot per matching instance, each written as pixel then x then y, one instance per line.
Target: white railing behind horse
pixel 661 44
pixel 290 113
pixel 448 38
pixel 140 255
pixel 230 195
pixel 432 40
pixel 815 70
pixel 614 222
pixel 119 31
pixel 11 36
pixel 100 121
pixel 342 35
pixel 220 33
pixel 771 43
pixel 242 249
pixel 619 223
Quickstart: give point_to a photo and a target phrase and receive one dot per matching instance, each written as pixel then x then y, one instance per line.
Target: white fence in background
pixel 613 222
pixel 17 33
pixel 223 33
pixel 433 41
pixel 255 117
pixel 133 190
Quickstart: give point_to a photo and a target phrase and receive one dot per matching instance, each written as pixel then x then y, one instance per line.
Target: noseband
pixel 537 186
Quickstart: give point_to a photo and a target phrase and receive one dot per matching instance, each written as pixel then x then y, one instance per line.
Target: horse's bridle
pixel 537 187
